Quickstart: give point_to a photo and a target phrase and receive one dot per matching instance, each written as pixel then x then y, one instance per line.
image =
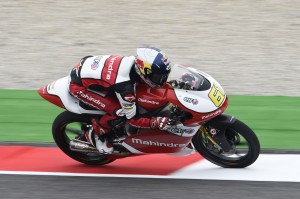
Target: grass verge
pixel 25 116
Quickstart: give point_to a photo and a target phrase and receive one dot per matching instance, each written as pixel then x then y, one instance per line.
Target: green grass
pixel 275 119
pixel 25 116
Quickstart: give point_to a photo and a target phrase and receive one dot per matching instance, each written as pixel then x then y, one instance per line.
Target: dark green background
pixel 25 116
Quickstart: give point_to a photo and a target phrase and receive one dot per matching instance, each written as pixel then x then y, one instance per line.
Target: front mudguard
pixel 217 127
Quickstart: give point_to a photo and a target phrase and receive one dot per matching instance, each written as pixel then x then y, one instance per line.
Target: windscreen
pixel 189 75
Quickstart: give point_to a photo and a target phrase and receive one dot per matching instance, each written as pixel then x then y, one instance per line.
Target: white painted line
pixel 284 168
pixel 81 174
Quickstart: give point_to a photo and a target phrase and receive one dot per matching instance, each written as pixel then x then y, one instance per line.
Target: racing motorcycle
pixel 196 104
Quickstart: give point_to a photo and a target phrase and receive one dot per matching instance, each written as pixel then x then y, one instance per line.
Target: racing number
pixel 216 95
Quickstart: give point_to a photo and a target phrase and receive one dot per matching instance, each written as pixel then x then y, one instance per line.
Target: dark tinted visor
pixel 159 79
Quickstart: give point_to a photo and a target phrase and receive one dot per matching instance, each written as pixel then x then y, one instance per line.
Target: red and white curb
pixel 27 160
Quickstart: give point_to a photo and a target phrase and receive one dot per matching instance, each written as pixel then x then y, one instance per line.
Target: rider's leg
pixel 108 104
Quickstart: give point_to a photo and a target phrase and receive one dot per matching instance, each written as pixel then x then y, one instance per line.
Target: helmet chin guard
pixel 147 81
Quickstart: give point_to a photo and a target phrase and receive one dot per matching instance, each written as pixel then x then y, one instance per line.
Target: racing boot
pixel 98 140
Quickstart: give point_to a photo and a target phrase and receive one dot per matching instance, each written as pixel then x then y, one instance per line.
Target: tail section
pixel 58 93
pixel 54 99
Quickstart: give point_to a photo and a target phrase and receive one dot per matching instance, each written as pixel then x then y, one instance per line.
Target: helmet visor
pixel 159 79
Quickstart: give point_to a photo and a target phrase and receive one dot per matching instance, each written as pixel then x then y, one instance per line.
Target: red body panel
pixel 156 141
pixel 151 99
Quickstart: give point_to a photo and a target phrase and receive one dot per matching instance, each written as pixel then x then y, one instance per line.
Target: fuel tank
pixel 150 98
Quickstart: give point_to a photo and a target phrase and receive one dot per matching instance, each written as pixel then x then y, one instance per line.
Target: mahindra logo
pixel 148 101
pixel 90 98
pixel 110 68
pixel 212 114
pixel 153 143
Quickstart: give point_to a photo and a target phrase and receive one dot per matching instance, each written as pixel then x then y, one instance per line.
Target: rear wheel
pixel 68 126
pixel 245 147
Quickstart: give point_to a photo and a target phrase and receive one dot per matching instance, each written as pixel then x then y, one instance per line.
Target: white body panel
pixel 203 106
pixel 60 88
pixel 124 69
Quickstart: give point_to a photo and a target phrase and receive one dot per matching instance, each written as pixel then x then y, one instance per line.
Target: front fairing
pixel 205 101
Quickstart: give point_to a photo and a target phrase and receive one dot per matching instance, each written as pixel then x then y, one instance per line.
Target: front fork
pixel 207 135
pixel 215 129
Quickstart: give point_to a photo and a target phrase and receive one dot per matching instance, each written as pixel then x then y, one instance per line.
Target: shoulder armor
pixel 125 67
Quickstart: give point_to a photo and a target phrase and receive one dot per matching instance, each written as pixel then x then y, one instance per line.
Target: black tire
pixel 240 129
pixel 62 140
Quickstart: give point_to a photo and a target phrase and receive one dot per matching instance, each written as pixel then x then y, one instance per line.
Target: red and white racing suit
pixel 115 78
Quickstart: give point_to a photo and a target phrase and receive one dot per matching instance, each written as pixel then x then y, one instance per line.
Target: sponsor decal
pixel 143 66
pixel 181 131
pixel 90 98
pixel 153 123
pixel 76 68
pixel 148 101
pixel 191 100
pixel 129 98
pixel 44 90
pixel 51 86
pixel 128 106
pixel 217 95
pixel 102 131
pixel 110 68
pixel 212 114
pixel 120 112
pixel 165 60
pixel 156 143
pixel 140 64
pixel 95 64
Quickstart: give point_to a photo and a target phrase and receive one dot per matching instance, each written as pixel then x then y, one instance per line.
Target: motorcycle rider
pixel 187 82
pixel 107 82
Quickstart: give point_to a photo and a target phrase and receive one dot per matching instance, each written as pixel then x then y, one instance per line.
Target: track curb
pixel 53 145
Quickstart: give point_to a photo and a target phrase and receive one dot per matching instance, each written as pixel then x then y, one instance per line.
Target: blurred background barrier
pixel 251 47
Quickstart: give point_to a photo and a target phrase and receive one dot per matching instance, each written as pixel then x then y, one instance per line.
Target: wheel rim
pixel 241 147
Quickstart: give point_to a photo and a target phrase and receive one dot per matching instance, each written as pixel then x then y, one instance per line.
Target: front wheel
pixel 68 126
pixel 245 146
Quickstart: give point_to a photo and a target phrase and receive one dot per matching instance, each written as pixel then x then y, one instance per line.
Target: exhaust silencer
pixel 82 146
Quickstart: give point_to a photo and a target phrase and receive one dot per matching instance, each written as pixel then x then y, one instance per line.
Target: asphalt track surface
pixel 52 186
pixel 46 187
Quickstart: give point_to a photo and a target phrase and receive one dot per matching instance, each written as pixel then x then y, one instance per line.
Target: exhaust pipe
pixel 82 146
pixel 86 147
